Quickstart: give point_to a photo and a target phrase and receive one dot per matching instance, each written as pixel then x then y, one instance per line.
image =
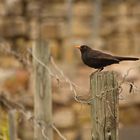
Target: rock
pixel 83 9
pixel 5 74
pixel 86 131
pixel 82 112
pixel 81 28
pixel 62 98
pixel 9 62
pixel 14 27
pixel 14 7
pixel 18 82
pixel 64 118
pixel 2 9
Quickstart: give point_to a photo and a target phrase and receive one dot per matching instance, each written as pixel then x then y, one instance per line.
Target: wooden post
pixel 104 108
pixel 42 93
pixel 96 21
pixel 12 125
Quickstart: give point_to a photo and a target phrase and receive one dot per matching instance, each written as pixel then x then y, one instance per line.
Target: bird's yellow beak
pixel 77 47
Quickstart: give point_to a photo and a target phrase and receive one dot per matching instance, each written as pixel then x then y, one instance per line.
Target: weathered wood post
pixel 104 108
pixel 42 92
pixel 12 125
pixel 96 23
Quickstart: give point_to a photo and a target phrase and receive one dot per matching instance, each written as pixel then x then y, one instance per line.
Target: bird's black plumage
pixel 98 60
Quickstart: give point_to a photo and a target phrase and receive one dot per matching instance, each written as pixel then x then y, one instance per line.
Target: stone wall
pixel 63 26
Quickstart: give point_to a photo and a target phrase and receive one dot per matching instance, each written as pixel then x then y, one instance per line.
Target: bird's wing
pixel 102 57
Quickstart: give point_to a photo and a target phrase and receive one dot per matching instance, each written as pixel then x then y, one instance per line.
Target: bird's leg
pixel 99 70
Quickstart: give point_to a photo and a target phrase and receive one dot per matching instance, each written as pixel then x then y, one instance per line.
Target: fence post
pixel 104 108
pixel 42 93
pixel 12 125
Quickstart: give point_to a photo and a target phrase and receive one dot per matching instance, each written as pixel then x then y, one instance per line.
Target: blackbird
pixel 98 60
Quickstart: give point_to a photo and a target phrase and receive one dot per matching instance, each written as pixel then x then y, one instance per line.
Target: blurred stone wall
pixel 64 26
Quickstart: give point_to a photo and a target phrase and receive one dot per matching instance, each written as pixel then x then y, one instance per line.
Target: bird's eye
pixel 83 47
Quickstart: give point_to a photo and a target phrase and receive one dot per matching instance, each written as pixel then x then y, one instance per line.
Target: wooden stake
pixel 104 108
pixel 12 125
pixel 42 93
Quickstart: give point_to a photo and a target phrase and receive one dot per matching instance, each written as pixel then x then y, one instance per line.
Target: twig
pixel 16 55
pixel 58 132
pixel 44 134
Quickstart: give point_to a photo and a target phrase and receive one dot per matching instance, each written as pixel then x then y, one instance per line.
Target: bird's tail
pixel 127 58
